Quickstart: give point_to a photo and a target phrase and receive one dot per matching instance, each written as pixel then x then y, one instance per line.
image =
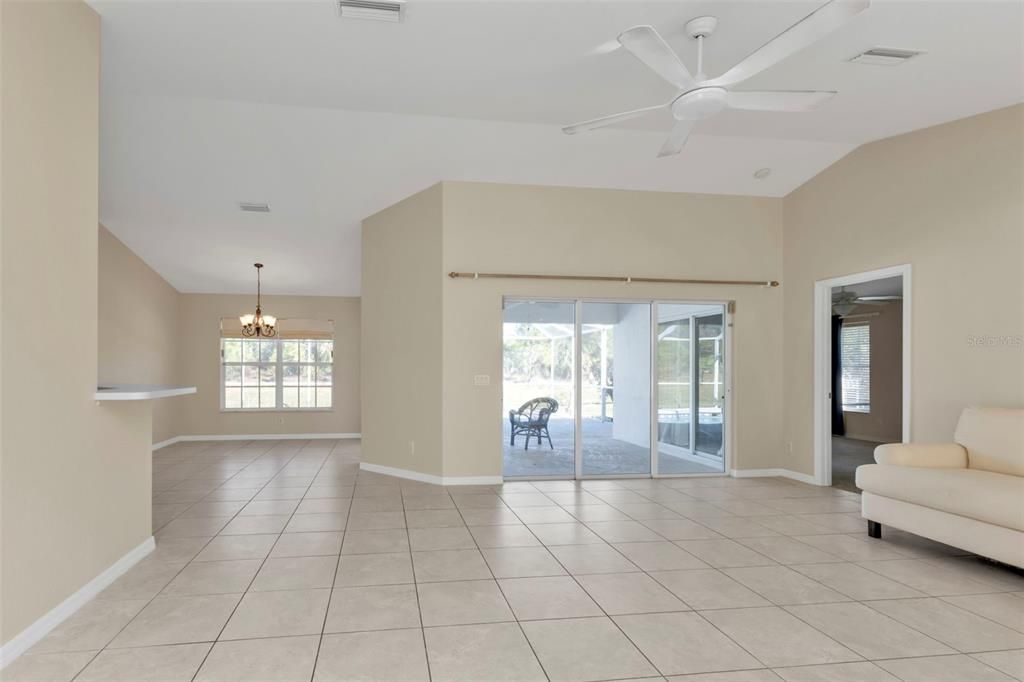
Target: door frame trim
pixel 823 360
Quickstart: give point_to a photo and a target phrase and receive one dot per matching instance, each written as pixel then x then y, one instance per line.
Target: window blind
pixel 287 328
pixel 855 362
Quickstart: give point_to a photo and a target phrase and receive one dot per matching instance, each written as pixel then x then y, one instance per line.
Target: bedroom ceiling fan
pixel 844 302
pixel 700 97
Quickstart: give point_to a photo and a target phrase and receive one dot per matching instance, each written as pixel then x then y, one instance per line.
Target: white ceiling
pixel 206 104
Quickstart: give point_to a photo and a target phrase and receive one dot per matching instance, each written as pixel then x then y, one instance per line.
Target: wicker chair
pixel 532 420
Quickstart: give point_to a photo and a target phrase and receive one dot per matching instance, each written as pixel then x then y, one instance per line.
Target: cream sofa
pixel 969 493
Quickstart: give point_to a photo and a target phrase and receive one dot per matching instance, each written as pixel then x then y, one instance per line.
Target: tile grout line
pixel 589 596
pixel 337 565
pixel 519 625
pixel 786 610
pixel 772 604
pixel 845 561
pixel 262 562
pixel 415 582
pixel 699 614
pixel 692 610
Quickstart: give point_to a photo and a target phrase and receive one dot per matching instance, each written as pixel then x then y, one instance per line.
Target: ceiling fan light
pixel 844 308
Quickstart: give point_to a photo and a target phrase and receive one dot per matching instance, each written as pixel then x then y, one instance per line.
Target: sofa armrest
pixel 932 455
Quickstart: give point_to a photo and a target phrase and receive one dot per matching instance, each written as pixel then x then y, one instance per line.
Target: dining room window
pixel 293 371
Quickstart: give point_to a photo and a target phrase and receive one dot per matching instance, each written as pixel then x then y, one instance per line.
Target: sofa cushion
pixel 933 455
pixel 994 438
pixel 981 495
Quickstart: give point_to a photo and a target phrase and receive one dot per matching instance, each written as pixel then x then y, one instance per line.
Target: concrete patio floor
pixel 603 455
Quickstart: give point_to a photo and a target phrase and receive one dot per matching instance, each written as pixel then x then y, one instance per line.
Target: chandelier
pixel 258 324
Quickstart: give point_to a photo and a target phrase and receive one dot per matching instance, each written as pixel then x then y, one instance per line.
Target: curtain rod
pixel 600 278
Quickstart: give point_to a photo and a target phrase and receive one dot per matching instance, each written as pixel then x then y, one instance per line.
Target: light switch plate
pixel 482 380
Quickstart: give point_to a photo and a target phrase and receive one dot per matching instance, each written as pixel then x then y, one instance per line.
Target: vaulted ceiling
pixel 206 104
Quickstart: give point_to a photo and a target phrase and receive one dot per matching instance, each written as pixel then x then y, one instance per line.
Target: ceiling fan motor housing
pixel 701 27
pixel 699 103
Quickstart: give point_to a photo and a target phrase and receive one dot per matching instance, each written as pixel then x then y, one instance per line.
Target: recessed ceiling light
pixel 373 10
pixel 884 56
pixel 252 207
pixel 762 173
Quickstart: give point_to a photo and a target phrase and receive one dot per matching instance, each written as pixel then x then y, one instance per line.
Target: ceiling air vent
pixel 371 10
pixel 254 208
pixel 884 56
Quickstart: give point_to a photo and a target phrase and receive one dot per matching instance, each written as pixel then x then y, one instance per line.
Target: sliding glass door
pixel 613 388
pixel 691 389
pixel 674 388
pixel 710 385
pixel 615 396
pixel 538 388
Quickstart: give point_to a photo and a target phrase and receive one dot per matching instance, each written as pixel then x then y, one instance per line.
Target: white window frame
pixel 278 378
pixel 860 408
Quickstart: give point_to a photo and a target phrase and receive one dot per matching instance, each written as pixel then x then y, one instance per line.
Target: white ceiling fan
pixel 700 97
pixel 844 302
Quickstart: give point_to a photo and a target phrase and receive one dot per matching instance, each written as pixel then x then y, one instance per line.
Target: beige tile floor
pixel 281 561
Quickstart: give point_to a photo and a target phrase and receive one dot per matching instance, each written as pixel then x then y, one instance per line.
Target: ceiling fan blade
pixel 868 299
pixel 804 33
pixel 603 121
pixel 677 138
pixel 647 45
pixel 779 100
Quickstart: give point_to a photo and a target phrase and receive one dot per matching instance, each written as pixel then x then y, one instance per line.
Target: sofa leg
pixel 874 529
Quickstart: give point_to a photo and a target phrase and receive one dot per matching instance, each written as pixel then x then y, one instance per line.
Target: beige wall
pixel 138 310
pixel 74 475
pixel 949 200
pixel 516 228
pixel 884 423
pixel 402 392
pixel 198 342
pixel 486 228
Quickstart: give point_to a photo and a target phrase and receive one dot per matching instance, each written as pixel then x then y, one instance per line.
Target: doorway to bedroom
pixel 614 388
pixel 862 354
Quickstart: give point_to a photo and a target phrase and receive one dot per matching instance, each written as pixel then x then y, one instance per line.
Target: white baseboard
pixel 782 473
pixel 259 436
pixel 57 615
pixel 430 478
